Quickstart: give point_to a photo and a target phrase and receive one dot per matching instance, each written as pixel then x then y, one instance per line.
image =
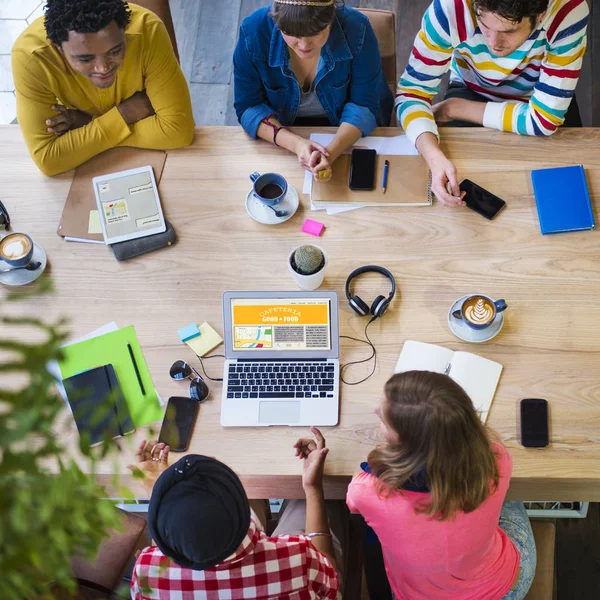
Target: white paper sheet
pixel 399 145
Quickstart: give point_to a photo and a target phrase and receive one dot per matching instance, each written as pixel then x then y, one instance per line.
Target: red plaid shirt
pixel 282 568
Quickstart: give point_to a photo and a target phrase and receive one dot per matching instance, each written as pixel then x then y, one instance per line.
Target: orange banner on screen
pixel 281 314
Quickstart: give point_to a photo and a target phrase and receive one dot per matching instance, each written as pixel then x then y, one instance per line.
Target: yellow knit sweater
pixel 43 77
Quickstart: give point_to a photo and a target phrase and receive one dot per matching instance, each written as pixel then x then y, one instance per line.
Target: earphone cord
pixel 364 360
pixel 204 370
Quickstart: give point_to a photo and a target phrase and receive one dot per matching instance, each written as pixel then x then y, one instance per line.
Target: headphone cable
pixel 372 357
pixel 204 370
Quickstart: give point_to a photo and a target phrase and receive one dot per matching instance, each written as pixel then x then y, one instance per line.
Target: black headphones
pixel 380 304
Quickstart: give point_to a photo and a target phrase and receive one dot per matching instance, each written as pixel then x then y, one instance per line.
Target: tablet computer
pixel 128 205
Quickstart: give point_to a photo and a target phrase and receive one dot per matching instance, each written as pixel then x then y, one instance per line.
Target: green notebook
pixel 111 348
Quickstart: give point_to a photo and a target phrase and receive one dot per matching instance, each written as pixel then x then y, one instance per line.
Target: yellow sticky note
pixel 206 341
pixel 94 222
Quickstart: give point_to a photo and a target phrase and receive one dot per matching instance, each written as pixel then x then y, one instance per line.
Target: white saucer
pixel 461 330
pixel 263 214
pixel 23 276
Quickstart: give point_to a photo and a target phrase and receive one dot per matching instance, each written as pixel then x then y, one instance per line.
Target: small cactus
pixel 308 260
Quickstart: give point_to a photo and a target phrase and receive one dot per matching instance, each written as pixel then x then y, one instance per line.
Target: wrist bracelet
pixel 275 128
pixel 275 134
pixel 317 533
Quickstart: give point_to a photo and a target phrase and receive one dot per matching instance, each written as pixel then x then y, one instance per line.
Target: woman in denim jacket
pixel 310 62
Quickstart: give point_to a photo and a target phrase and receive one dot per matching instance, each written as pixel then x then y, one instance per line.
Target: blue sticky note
pixel 189 332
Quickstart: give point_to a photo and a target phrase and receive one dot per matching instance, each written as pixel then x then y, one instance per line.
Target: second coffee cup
pixel 479 311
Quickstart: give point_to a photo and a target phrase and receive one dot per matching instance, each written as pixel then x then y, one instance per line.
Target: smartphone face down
pixel 178 422
pixel 362 169
pixel 534 423
pixel 480 200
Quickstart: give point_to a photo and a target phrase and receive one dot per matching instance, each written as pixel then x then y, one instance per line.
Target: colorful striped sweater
pixel 530 90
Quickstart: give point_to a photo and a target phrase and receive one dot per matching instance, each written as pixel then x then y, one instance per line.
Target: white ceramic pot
pixel 308 282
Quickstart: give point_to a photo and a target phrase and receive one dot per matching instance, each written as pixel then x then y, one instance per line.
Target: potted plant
pixel 47 515
pixel 307 264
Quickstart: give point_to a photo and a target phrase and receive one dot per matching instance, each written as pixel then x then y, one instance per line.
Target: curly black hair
pixel 513 10
pixel 82 16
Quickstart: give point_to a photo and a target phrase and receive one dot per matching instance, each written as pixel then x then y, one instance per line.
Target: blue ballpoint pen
pixel 386 166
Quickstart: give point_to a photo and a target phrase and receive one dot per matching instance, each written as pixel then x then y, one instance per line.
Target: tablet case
pixel 98 404
pixel 81 198
pixel 131 248
pixel 562 199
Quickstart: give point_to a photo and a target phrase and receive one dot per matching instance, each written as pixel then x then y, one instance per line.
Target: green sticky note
pixel 111 349
pixel 94 225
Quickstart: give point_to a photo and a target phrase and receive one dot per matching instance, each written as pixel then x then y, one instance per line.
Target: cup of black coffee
pixel 269 188
pixel 16 249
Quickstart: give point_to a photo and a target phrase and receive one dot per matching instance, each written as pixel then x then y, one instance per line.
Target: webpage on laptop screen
pixel 286 324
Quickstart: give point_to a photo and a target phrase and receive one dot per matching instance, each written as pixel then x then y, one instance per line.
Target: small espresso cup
pixel 16 249
pixel 269 188
pixel 479 311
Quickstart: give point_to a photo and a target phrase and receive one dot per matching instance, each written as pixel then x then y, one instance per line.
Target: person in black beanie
pixel 210 541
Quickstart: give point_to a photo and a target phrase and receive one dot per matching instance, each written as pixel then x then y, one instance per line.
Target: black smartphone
pixel 362 169
pixel 178 423
pixel 480 200
pixel 534 423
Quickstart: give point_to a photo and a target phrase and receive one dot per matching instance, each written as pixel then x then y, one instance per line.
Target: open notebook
pixel 478 376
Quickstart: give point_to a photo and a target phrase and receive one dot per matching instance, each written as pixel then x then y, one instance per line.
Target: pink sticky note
pixel 313 227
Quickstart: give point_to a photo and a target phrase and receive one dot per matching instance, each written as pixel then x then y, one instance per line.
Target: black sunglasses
pixel 198 389
pixel 4 218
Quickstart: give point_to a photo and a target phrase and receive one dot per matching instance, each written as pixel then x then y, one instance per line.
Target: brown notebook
pixel 81 199
pixel 408 184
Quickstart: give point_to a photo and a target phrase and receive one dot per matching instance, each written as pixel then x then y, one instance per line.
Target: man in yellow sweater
pixel 93 75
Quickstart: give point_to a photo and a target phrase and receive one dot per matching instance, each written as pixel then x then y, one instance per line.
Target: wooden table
pixel 550 344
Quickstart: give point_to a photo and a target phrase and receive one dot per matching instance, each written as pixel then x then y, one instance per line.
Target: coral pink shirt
pixel 465 558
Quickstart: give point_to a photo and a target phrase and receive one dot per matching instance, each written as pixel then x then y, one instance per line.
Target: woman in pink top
pixel 434 495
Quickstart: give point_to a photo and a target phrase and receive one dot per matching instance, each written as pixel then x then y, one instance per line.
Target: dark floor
pixel 578 556
pixel 207 32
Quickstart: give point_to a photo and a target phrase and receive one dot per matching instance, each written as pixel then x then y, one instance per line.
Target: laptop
pixel 282 362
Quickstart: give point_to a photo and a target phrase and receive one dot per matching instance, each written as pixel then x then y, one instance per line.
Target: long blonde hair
pixel 439 431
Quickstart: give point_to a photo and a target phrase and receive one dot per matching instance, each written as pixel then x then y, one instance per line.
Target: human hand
pixel 313 453
pixel 136 108
pixel 305 149
pixel 320 166
pixel 152 459
pixel 444 176
pixel 443 111
pixel 66 119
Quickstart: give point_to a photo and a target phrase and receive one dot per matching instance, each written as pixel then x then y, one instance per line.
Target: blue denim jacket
pixel 349 83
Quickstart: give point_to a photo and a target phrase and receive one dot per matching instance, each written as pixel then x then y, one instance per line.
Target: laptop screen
pixel 287 324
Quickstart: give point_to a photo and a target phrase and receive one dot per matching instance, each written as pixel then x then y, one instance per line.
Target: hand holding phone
pixel 534 423
pixel 480 200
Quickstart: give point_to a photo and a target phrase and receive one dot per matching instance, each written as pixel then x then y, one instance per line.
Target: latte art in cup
pixel 479 311
pixel 15 246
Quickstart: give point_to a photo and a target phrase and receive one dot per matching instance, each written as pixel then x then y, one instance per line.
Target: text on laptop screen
pixel 286 324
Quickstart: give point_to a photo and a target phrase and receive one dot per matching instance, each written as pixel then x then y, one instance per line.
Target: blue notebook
pixel 562 199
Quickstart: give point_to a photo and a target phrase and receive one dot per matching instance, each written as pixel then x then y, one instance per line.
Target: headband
pixel 304 2
pixel 199 512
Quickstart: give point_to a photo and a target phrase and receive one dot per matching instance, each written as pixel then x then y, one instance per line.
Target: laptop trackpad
pixel 279 412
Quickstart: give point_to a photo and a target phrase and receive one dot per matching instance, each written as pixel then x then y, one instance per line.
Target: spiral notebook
pixel 408 184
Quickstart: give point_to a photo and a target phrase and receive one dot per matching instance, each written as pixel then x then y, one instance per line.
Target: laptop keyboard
pixel 281 380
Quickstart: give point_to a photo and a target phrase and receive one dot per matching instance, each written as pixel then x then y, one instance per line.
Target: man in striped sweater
pixel 514 65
